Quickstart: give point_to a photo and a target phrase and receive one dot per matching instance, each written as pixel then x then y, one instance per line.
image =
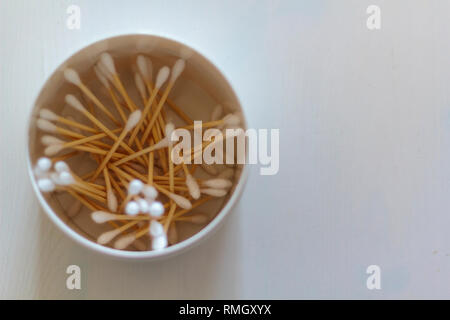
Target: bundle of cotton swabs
pixel 135 186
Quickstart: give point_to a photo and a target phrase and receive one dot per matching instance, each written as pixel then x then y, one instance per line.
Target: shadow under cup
pixel 199 89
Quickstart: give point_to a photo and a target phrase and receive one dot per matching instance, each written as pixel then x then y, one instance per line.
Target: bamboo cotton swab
pixel 73 77
pixel 132 121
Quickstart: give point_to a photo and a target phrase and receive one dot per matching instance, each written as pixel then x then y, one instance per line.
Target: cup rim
pixel 136 255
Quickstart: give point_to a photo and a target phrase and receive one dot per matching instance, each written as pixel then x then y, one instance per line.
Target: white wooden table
pixel 364 119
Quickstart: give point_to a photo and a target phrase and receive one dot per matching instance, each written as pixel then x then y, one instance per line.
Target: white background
pixel 364 119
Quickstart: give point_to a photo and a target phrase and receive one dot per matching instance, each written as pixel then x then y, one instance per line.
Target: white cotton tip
pixel 156 229
pixel 102 216
pixel 72 101
pixel 112 200
pixel 231 120
pixel 53 149
pixel 124 241
pixel 46 125
pixel 74 209
pixel 149 192
pixel 217 183
pixel 145 67
pixel 140 84
pixel 48 140
pixel 163 143
pixel 168 130
pixel 172 234
pixel 182 202
pixel 133 119
pixel 162 76
pixel 132 208
pixel 48 115
pixel 156 209
pixel 214 192
pixel 101 77
pixel 44 164
pixel 226 174
pixel 159 243
pixel 66 178
pixel 72 76
pixel 135 187
pixel 46 185
pixel 144 206
pixel 108 62
pixel 61 166
pixel 209 169
pixel 177 69
pixel 198 218
pixel 194 189
pixel 217 113
pixel 104 72
pixel 106 237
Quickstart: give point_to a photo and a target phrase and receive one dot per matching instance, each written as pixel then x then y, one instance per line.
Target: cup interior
pixel 199 89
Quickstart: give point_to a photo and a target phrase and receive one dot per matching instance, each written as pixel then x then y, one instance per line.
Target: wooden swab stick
pixel 176 71
pixel 145 68
pixel 51 116
pixel 163 74
pixel 72 101
pixel 132 121
pixel 110 196
pixel 106 84
pixel 73 77
pixel 108 63
pixel 106 237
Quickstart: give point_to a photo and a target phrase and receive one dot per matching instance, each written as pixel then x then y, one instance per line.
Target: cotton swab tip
pixel 101 77
pixel 143 205
pixel 139 84
pixel 144 66
pixel 48 115
pixel 162 77
pixel 101 216
pixel 74 102
pixel 156 209
pixel 159 243
pixel 133 119
pixel 214 192
pixel 170 127
pixel 44 164
pixel 61 166
pixel 106 237
pixel 72 76
pixel 50 140
pixel 231 120
pixel 53 149
pixel 124 241
pixel 66 178
pixel 149 192
pixel 46 185
pixel 112 200
pixel 180 201
pixel 46 126
pixel 217 183
pixel 135 187
pixel 177 69
pixel 156 229
pixel 108 62
pixel 132 208
pixel 193 187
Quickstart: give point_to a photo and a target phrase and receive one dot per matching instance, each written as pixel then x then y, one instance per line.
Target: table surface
pixel 364 179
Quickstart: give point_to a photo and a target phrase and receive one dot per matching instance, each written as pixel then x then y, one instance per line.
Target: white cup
pixel 199 71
